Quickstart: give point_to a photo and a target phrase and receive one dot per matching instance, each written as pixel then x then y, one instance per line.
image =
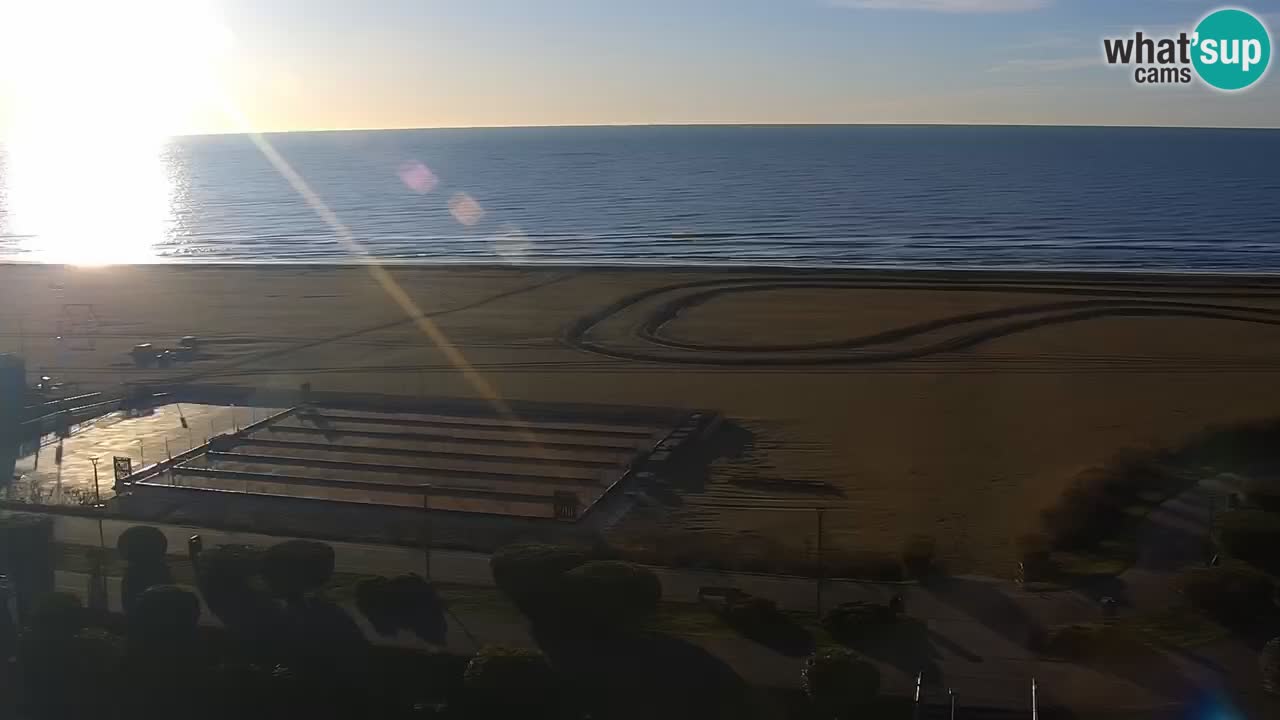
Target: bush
pixel 1269 664
pixel 920 556
pixel 165 615
pixel 1252 536
pixel 530 574
pixel 1095 504
pixel 56 615
pixel 1034 557
pixel 1088 642
pixel 1073 642
pixel 507 682
pixel 229 565
pixel 1263 492
pixel 375 602
pixel 838 680
pixel 748 612
pixel 229 583
pixel 296 567
pixel 71 676
pixel 611 593
pixel 142 544
pixel 407 601
pixel 854 620
pixel 1229 594
pixel 26 556
pixel 143 549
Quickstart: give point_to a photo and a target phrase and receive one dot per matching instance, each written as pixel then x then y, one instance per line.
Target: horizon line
pixel 726 124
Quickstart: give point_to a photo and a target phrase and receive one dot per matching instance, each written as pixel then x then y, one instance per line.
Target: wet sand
pixel 952 405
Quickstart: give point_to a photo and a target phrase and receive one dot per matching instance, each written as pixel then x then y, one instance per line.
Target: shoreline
pixel 1112 275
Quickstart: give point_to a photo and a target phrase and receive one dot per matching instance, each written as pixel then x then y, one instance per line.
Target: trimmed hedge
pixel 165 615
pixel 56 615
pixel 406 601
pixel 530 574
pixel 229 564
pixel 498 669
pixel 230 582
pixel 511 682
pixel 611 593
pixel 26 556
pixel 71 676
pixel 296 567
pixel 143 549
pixel 142 544
pixel 752 613
pixel 838 680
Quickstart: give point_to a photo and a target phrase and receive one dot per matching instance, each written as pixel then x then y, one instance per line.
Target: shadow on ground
pixel 644 675
pixel 784 636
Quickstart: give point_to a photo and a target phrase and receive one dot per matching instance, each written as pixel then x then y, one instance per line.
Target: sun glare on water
pixel 94 89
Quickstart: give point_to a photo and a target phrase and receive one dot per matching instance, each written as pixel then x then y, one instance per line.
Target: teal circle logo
pixel 1232 49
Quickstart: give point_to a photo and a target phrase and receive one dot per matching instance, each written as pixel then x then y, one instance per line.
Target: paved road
pixel 1171 539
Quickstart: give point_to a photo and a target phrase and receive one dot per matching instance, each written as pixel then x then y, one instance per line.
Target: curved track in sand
pixel 649 339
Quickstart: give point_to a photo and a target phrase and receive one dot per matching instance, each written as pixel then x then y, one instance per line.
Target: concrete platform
pixel 528 467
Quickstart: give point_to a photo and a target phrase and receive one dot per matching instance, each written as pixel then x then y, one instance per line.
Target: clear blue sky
pixel 307 64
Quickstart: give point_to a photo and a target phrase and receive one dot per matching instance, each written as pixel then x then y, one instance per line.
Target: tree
pixel 296 567
pixel 143 549
pixel 838 680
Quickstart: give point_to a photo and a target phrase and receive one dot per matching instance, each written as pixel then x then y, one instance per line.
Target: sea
pixel 964 197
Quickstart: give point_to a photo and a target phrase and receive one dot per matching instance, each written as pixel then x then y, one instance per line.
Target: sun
pixel 94 90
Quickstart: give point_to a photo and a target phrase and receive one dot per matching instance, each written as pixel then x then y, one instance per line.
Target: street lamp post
pixel 97 494
pixel 426 530
pixel 818 580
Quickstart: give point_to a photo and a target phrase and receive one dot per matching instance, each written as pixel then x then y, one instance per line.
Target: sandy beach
pixel 950 405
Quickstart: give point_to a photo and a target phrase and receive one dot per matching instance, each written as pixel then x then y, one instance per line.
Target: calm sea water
pixel 970 197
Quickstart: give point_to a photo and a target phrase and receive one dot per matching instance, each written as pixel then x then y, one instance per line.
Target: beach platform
pixel 487 465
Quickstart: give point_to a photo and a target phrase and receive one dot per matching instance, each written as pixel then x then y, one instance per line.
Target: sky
pixel 209 66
